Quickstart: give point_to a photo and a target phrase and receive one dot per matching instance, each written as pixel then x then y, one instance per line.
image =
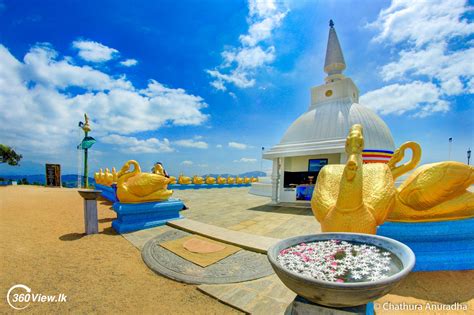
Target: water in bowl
pixel 340 261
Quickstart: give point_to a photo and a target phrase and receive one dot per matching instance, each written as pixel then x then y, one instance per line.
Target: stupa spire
pixel 334 63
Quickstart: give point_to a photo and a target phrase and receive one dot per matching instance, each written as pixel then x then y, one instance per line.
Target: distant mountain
pixel 248 174
pixel 69 180
pixel 254 174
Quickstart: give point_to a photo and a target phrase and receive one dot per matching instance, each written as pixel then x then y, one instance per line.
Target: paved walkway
pixel 237 210
pixel 221 210
pixel 235 216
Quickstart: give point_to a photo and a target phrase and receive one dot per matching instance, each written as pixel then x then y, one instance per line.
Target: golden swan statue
pixel 433 192
pixel 99 177
pixel 158 169
pixel 354 197
pixel 108 177
pixel 246 180
pixel 184 180
pixel 172 180
pixel 221 180
pixel 114 175
pixel 254 180
pixel 239 180
pixel 198 180
pixel 210 180
pixel 230 180
pixel 135 186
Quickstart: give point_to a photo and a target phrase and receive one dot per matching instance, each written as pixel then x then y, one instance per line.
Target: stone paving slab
pixel 248 241
pixel 241 266
pixel 228 208
pixel 139 238
pixel 263 296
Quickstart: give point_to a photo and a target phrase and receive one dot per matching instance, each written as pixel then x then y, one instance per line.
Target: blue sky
pixel 203 85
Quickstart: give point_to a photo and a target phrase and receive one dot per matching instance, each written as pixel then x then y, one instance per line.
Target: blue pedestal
pixel 139 216
pixel 108 192
pixel 301 305
pixel 446 245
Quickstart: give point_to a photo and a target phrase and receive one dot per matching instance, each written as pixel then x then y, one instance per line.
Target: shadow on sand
pixel 77 236
pixel 283 209
pixel 445 287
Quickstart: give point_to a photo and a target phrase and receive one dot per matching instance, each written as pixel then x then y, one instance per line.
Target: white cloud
pixel 45 116
pixel 422 22
pixel 94 51
pixel 203 165
pixel 421 32
pixel 132 144
pixel 245 160
pixel 422 97
pixel 219 146
pixel 41 65
pixel 240 63
pixel 237 145
pixel 449 68
pixel 129 62
pixel 186 162
pixel 191 143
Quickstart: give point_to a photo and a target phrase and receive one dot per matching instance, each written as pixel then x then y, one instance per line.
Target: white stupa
pixel 318 136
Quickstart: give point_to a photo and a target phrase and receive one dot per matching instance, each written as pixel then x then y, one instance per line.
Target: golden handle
pixel 398 156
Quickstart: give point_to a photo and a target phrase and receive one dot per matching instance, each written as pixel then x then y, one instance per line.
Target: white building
pixel 318 136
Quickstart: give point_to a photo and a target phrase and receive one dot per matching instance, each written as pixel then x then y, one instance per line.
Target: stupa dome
pixel 334 108
pixel 332 121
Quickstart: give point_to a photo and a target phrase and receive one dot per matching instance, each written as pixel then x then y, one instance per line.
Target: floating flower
pixel 335 260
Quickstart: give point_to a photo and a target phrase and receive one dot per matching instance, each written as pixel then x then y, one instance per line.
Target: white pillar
pixel 275 180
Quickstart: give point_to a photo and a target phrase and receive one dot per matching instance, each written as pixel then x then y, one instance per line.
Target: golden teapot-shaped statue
pixel 198 180
pixel 221 180
pixel 172 180
pixel 354 197
pixel 230 180
pixel 135 186
pixel 210 180
pixel 239 180
pixel 246 180
pixel 184 180
pixel 433 192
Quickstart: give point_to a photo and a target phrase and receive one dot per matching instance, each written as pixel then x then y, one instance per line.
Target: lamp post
pixel 449 149
pixel 85 145
pixel 468 155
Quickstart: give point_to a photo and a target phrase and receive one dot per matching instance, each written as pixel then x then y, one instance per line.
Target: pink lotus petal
pixel 340 280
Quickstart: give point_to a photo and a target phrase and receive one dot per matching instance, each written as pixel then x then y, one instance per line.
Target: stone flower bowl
pixel 336 294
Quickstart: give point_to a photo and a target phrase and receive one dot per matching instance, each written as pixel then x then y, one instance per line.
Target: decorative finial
pixel 334 63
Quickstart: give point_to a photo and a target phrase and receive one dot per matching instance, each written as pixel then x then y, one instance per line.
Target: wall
pixel 300 163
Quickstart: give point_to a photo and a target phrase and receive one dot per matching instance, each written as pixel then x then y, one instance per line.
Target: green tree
pixel 9 156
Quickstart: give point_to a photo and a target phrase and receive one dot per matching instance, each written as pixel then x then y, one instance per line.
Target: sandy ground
pixel 42 246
